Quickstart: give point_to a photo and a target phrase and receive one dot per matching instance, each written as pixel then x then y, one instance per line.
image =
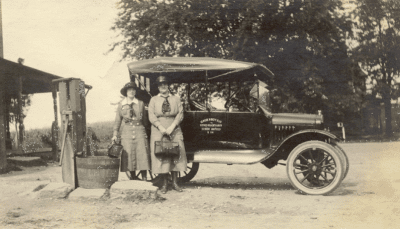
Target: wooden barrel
pixel 101 152
pixel 97 172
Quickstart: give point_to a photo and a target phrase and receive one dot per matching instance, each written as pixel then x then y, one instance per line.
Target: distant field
pixel 41 138
pixel 103 131
pixel 37 139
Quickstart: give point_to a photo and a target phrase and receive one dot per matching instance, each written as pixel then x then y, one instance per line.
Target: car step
pixel 232 156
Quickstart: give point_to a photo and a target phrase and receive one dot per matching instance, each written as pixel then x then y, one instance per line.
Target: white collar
pixel 161 95
pixel 125 101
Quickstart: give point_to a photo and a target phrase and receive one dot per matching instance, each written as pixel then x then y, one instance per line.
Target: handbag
pixel 115 150
pixel 166 147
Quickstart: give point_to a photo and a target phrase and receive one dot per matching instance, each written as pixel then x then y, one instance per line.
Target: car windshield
pixel 227 96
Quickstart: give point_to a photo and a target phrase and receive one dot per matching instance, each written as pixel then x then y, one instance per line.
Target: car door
pixel 203 129
pixel 221 129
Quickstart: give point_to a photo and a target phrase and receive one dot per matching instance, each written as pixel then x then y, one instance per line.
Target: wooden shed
pixel 16 80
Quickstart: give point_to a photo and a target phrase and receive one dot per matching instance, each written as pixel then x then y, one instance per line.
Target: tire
pixel 345 159
pixel 184 177
pixel 320 170
pixel 138 176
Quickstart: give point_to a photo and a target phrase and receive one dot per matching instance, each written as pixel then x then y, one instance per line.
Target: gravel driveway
pixel 222 196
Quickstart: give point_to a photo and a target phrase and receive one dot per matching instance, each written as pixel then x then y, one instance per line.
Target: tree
pixel 302 42
pixel 16 115
pixel 378 23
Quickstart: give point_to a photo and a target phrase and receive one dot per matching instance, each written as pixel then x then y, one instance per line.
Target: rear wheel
pixel 188 175
pixel 183 177
pixel 138 175
pixel 315 168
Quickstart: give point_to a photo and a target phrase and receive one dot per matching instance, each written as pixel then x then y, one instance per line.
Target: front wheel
pixel 345 159
pixel 315 168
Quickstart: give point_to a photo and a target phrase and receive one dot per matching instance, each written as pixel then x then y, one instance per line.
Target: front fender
pixel 283 149
pixel 310 133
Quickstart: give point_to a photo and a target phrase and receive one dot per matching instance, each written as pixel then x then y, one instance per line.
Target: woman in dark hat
pixel 130 113
pixel 165 115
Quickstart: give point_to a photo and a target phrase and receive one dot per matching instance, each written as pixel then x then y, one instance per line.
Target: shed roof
pixel 33 80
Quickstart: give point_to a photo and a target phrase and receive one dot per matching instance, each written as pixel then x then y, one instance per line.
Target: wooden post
pixel 3 153
pixel 77 102
pixel 1 33
pixel 67 157
pixel 73 124
pixel 7 103
pixel 21 114
pixel 83 132
pixel 54 126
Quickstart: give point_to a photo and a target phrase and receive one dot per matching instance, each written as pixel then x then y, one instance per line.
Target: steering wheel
pixel 230 101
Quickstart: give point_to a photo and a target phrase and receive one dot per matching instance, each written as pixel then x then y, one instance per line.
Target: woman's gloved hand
pixel 162 130
pixel 170 129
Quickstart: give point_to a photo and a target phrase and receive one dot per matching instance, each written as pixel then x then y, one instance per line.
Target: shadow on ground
pixel 230 182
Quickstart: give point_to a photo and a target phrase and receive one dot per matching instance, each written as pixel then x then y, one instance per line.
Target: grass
pixel 103 132
pixel 36 139
pixel 41 137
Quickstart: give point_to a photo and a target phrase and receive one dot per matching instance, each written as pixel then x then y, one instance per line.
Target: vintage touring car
pixel 237 126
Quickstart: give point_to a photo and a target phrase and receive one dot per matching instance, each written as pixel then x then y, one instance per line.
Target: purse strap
pixel 165 136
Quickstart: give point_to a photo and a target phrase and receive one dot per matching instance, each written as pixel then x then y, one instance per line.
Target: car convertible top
pixel 198 69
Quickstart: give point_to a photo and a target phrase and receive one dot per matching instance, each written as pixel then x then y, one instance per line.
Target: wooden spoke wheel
pixel 345 159
pixel 138 175
pixel 183 177
pixel 192 169
pixel 315 168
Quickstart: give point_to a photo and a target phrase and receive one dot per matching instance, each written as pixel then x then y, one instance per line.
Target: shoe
pixel 177 188
pixel 163 189
pixel 144 175
pixel 175 185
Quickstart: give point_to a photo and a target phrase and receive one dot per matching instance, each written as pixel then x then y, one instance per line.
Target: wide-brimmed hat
pixel 162 79
pixel 126 86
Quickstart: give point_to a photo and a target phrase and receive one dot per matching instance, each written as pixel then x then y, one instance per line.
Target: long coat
pixel 157 117
pixel 133 134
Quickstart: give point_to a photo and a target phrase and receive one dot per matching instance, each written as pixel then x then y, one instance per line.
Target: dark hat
pixel 162 79
pixel 126 86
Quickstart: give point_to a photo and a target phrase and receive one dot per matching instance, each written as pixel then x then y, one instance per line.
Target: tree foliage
pixel 302 42
pixel 378 23
pixel 16 114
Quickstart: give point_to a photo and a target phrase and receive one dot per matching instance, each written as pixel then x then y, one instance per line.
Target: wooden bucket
pixel 97 172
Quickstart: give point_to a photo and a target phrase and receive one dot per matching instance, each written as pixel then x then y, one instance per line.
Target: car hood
pixel 296 119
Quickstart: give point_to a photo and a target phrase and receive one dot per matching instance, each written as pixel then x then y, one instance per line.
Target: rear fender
pixel 283 149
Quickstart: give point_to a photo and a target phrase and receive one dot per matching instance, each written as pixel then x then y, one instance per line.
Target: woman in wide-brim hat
pixel 165 115
pixel 130 114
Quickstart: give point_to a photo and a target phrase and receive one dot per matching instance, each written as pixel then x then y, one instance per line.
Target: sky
pixel 68 38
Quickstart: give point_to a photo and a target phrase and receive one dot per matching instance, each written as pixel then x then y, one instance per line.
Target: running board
pixel 245 156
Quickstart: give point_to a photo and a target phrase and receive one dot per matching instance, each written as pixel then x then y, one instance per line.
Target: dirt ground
pixel 222 196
